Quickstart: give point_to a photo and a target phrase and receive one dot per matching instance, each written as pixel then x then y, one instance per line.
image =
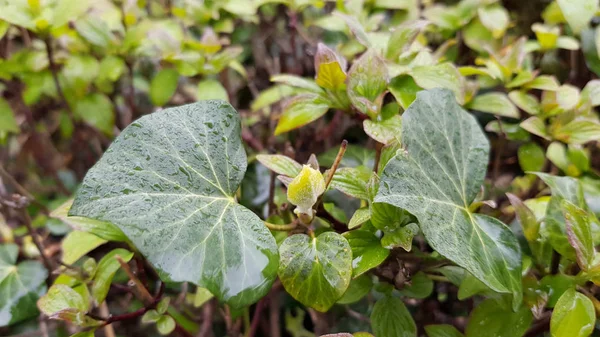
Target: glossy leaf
pixel 420 286
pixel 367 81
pixel 316 271
pixel 359 217
pixel 531 157
pixel 531 230
pixel 304 190
pixel 301 110
pixel 443 75
pixel 107 267
pixel 101 229
pixel 579 233
pixel 400 237
pixel 330 69
pixel 390 318
pixel 438 178
pixel 385 131
pixel 491 319
pixel 65 303
pixel 352 181
pixel 173 177
pixel 525 101
pixel 573 316
pixel 367 252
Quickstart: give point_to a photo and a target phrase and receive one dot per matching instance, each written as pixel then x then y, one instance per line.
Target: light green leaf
pixel 301 110
pixel 491 319
pixel 211 89
pixel 359 288
pixel 495 103
pixel 438 178
pixel 163 86
pixel 470 286
pixel 443 75
pixel 355 156
pixel 352 181
pixel 400 237
pixel 404 88
pixel 360 216
pixel 330 70
pixel 280 164
pixel 495 18
pixel 77 243
pixel 174 174
pixel 578 131
pixel 526 102
pixel 591 92
pixel 316 271
pixel 101 229
pixel 442 330
pixel 402 38
pixel 7 119
pixel 272 95
pixel 65 303
pixel 578 13
pixel 536 126
pixel 531 157
pixel 298 82
pixel 573 316
pixel 544 82
pixel 97 110
pixel 165 325
pixel 385 131
pixel 202 296
pixel 151 316
pixel 367 81
pixel 95 30
pixel 579 233
pixel 547 36
pixel 107 267
pixel 390 318
pixel 367 252
pixel 20 286
pixel 568 43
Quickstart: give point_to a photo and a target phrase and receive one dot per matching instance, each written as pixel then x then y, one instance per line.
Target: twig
pixel 257 315
pixel 336 163
pixel 144 294
pixel 38 243
pixel 109 331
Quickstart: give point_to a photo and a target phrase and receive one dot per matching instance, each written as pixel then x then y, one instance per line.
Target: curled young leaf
pixel 305 189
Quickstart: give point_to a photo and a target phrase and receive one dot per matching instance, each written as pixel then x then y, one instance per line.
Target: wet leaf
pixel 65 303
pixel 101 229
pixel 491 319
pixel 579 233
pixel 367 81
pixel 352 181
pixel 107 267
pixel 437 180
pixel 301 110
pixel 173 176
pixel 573 316
pixel 367 252
pixel 330 69
pixel 390 318
pixel 304 190
pixel 443 75
pixel 385 131
pixel 77 243
pixel 361 216
pixel 316 271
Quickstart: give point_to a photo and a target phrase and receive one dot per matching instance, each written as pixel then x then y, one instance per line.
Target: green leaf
pixel 491 319
pixel 547 36
pixel 390 318
pixel 65 303
pixel 420 286
pixel 107 267
pixel 591 93
pixel 367 81
pixel 442 330
pixel 97 110
pixel 443 75
pixel 589 46
pixel 173 175
pixel 495 103
pixel 438 178
pixel 95 30
pixel 89 333
pixel 165 325
pixel 531 157
pixel 404 88
pixel 7 119
pixel 578 13
pixel 471 286
pixel 367 252
pixel 579 233
pixel 536 126
pixel 352 181
pixel 579 131
pixel 301 110
pixel 151 316
pixel 211 89
pixel 544 82
pixel 359 217
pixel 280 164
pixel 540 249
pixel 568 43
pixel 202 296
pixel 163 86
pixel 163 305
pixel 355 156
pixel 400 237
pixel 316 271
pixel 359 288
pixel 526 102
pixel 402 38
pixel 101 229
pixel 385 131
pixel 298 82
pixel 573 316
pixel 555 286
pixel 20 286
pixel 330 69
pixel 77 243
pixel 495 18
pixel 272 95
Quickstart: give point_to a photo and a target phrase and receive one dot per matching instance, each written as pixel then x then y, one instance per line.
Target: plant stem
pixel 144 294
pixel 336 163
pixel 37 242
pixel 257 315
pixel 53 70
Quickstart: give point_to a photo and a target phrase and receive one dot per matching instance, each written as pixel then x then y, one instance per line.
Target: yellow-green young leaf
pixel 443 75
pixel 280 164
pixel 526 102
pixel 77 243
pixel 544 82
pixel 367 81
pixel 64 303
pixel 579 233
pixel 573 316
pixel 557 154
pixel 442 330
pixel 567 42
pixel 531 157
pixel 495 103
pixel 89 333
pixel 360 216
pixel 305 189
pixel 107 267
pixel 390 318
pixel 478 37
pixel 352 181
pixel 578 131
pixel 298 82
pixel 402 38
pixel 96 110
pixel 95 30
pixel 300 111
pixel 174 174
pixel 163 86
pixel 330 69
pixel 367 252
pixel 359 288
pixel 523 77
pixel 495 18
pixel 547 36
pixel 151 316
pixel 437 179
pixel 536 126
pixel 385 131
pixel 20 286
pixel 316 271
pixel 202 296
pixel 101 229
pixel 356 28
pixel 578 13
pixel 163 305
pixel 272 95
pixel 211 89
pixel 165 325
pixel 490 318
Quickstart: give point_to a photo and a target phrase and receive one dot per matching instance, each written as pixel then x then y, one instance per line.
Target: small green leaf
pixel 578 131
pixel 573 316
pixel 547 36
pixel 491 319
pixel 495 18
pixel 359 217
pixel 526 102
pixel 471 286
pixel 163 305
pixel 367 81
pixel 536 126
pixel 442 330
pixel 352 181
pixel 64 303
pixel 151 316
pixel 305 189
pixel 555 286
pixel 272 95
pixel 316 271
pixel 385 131
pixel 163 86
pixel 443 75
pixel 77 243
pixel 402 38
pixel 97 110
pixel 404 88
pixel 202 296
pixel 107 267
pixel 165 325
pixel 579 233
pixel 390 318
pixel 367 252
pixel 400 237
pixel 280 164
pixel 495 103
pixel 211 89
pixel 298 82
pixel 359 288
pixel 301 110
pixel 544 82
pixel 531 157
pixel 7 118
pixel 578 13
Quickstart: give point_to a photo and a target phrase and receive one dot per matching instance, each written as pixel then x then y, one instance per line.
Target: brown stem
pixel 257 315
pixel 144 294
pixel 336 163
pixel 378 149
pixel 36 240
pixel 21 190
pixel 207 319
pixel 274 314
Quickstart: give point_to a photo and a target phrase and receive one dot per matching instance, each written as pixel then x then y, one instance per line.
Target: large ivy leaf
pixel 438 177
pixel 316 271
pixel 168 183
pixel 20 286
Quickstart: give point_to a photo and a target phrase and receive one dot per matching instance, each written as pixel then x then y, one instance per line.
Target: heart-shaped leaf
pixel 316 271
pixel 172 178
pixel 438 178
